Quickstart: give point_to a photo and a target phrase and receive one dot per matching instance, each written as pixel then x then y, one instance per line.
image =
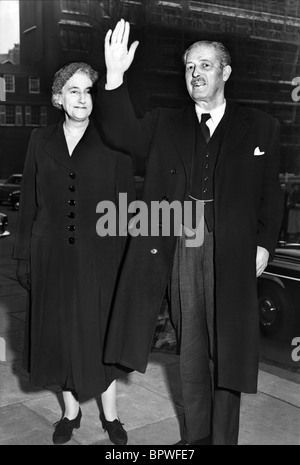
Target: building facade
pixel 262 36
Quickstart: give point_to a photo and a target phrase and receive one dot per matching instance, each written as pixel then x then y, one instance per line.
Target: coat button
pixel 71 215
pixel 174 171
pixel 72 175
pixel 166 198
pixel 71 240
pixel 71 227
pixel 72 202
pixel 154 251
pixel 72 188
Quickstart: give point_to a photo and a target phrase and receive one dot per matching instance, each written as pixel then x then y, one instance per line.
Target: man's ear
pixel 226 72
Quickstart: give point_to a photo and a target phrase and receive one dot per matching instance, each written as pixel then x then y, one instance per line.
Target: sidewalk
pixel 150 405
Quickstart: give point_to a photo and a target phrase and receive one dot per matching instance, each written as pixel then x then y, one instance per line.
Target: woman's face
pixel 75 97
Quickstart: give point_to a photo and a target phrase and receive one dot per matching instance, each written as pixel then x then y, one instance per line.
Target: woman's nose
pixel 82 97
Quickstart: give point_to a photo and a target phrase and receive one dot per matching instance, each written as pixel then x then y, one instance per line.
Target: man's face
pixel 76 97
pixel 205 77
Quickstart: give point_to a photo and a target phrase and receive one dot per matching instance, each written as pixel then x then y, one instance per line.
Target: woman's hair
pixel 221 51
pixel 62 76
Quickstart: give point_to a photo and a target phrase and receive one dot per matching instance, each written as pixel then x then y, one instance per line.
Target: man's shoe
pixel 199 442
pixel 64 429
pixel 115 430
pixel 207 441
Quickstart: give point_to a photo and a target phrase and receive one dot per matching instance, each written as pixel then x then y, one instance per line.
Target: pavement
pixel 149 405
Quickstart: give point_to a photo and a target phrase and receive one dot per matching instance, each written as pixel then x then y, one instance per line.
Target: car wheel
pixel 275 311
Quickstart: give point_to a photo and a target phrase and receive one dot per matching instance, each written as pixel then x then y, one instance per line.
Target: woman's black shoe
pixel 64 429
pixel 115 430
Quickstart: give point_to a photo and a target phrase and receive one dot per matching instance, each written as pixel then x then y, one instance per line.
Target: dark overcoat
pixel 248 203
pixel 73 269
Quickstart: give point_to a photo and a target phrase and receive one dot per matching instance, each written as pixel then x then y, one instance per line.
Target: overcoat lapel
pixel 236 126
pixel 182 128
pixel 56 146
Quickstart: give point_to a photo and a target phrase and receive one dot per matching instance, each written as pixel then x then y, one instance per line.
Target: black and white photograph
pixel 150 225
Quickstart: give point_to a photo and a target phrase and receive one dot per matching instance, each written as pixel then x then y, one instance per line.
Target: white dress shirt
pixel 215 116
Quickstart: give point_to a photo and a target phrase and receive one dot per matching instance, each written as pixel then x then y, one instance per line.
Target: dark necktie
pixel 205 130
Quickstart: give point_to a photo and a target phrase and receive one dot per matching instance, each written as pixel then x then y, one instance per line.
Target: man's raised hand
pixel 117 56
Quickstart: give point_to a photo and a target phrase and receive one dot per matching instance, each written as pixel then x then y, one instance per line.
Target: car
pixel 9 185
pixel 14 199
pixel 3 225
pixel 279 294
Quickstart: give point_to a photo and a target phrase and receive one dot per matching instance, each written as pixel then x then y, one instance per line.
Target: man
pixel 228 157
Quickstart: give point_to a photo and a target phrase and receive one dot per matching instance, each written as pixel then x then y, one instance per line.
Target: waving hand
pixel 117 56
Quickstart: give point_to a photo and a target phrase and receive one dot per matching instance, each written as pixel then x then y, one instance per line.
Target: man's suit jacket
pixel 248 203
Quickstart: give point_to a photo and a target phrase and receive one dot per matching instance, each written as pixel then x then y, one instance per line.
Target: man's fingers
pixel 115 34
pixel 120 31
pixel 132 49
pixel 107 37
pixel 126 33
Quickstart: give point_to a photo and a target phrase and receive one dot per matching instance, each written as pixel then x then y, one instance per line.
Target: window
pixel 75 39
pixel 75 6
pixel 34 85
pixel 35 115
pixel 106 8
pixel 9 82
pixel 10 115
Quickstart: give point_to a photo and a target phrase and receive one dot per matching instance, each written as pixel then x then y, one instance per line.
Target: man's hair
pixel 62 76
pixel 222 53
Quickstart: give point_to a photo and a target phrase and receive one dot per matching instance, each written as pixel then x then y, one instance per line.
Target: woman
pixel 69 269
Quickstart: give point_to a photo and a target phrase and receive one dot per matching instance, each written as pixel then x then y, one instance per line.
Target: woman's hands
pixel 117 56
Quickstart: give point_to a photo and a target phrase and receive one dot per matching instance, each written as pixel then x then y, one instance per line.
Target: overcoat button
pixel 71 215
pixel 72 175
pixel 72 202
pixel 154 251
pixel 72 188
pixel 174 171
pixel 71 240
pixel 71 227
pixel 166 198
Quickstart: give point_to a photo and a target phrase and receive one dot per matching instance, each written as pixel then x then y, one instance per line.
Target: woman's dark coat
pixel 247 214
pixel 73 270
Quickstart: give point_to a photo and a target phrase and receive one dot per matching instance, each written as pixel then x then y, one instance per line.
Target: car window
pixel 14 180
